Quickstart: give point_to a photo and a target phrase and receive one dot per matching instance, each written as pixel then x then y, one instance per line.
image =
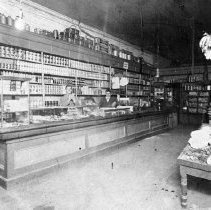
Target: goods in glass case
pixel 15 108
pixel 108 111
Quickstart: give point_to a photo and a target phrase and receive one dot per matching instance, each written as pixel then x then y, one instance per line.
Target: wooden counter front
pixel 37 149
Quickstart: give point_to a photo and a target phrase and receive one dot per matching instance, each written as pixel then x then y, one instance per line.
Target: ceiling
pixel 168 24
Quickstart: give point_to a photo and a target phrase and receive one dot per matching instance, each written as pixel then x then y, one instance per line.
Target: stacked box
pixel 101 41
pixel 113 50
pixel 102 48
pixel 101 45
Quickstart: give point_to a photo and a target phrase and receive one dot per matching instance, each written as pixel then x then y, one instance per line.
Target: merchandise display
pixel 163 95
pixel 18 53
pixel 15 101
pixel 24 110
pixel 136 86
pixel 50 74
pixel 73 35
pixel 76 113
pixel 197 98
pixel 198 155
pixel 139 85
pixel 201 138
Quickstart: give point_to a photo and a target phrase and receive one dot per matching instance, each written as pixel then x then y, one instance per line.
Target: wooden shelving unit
pixel 39 57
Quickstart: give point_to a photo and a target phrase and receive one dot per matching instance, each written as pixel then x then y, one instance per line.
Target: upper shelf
pixel 41 43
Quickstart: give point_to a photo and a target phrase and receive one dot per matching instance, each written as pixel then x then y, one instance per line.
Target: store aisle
pixel 143 175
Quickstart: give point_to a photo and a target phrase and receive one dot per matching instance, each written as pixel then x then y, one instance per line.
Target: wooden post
pixel 2 102
pixel 192 46
pixel 126 85
pixel 183 188
pixel 110 82
pixel 43 80
pixel 29 109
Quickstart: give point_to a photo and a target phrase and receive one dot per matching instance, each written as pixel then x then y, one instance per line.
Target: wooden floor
pixel 143 175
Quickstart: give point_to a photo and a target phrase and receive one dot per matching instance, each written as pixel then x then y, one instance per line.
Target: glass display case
pixel 15 99
pixel 87 107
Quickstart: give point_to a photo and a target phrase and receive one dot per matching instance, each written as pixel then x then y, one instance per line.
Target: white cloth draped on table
pixel 200 138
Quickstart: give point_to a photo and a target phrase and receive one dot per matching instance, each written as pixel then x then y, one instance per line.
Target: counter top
pixel 56 126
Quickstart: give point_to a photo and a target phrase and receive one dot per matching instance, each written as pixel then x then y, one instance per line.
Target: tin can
pixel 9 21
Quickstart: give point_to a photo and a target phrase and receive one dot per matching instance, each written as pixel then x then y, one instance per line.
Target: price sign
pixel 125 65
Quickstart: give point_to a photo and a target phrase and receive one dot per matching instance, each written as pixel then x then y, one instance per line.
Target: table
pixel 193 162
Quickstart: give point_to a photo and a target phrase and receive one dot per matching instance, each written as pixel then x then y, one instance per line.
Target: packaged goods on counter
pixel 201 138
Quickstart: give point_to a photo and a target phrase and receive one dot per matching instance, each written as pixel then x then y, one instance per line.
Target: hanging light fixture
pixel 157 73
pixel 157 47
pixel 205 45
pixel 19 21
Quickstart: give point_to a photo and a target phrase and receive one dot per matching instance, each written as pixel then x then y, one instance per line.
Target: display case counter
pixel 29 151
pixel 12 133
pixel 187 118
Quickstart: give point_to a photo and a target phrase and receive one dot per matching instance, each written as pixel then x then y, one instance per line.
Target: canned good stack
pixel 101 45
pixel 8 64
pixel 71 35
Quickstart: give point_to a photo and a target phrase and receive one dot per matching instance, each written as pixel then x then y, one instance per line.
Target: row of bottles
pixel 55 90
pixel 48 89
pixel 192 87
pixel 32 68
pixel 37 102
pixel 195 78
pixel 61 71
pixel 55 81
pixel 59 81
pixel 91 67
pixel 56 60
pixel 66 62
pixel 18 53
pixel 21 54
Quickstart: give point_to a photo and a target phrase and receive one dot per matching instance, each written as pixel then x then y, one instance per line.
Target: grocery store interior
pixel 105 104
